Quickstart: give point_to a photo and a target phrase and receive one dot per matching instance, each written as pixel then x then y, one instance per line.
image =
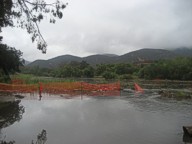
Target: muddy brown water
pixel 127 119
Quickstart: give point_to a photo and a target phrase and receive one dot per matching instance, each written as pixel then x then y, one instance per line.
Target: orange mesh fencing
pixel 72 88
pixel 61 87
pixel 20 88
pixel 17 81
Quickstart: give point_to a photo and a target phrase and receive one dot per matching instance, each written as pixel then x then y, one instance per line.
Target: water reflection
pixel 187 139
pixel 10 112
pixel 41 138
pixel 40 96
pixel 152 102
pixel 4 142
pixel 102 120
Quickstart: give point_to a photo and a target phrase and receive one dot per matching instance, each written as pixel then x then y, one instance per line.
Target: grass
pixel 31 79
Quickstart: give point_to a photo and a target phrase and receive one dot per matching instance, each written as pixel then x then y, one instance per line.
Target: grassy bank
pixel 31 79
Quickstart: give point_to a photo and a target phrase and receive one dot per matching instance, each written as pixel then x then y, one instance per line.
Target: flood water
pixel 126 119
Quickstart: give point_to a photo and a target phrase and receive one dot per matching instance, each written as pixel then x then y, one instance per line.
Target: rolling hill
pixel 187 52
pixel 145 54
pixel 55 62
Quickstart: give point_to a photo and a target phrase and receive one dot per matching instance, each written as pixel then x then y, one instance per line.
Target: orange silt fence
pixel 138 88
pixel 101 87
pixel 61 87
pixel 20 88
pixel 73 88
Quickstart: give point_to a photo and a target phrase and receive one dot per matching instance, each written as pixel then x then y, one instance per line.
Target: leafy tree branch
pixel 27 15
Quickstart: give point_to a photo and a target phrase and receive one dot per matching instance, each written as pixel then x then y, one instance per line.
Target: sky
pixel 109 26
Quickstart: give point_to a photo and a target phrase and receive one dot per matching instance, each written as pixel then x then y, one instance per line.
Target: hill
pixel 55 62
pixel 26 62
pixel 145 54
pixel 39 63
pixel 66 59
pixel 99 59
pixel 186 52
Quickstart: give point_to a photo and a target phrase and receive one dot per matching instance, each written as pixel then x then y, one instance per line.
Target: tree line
pixel 173 69
pixel 10 61
pixel 84 70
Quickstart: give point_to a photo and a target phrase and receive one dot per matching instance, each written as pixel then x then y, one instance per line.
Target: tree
pixel 109 75
pixel 123 68
pixel 10 59
pixel 27 15
pixel 83 64
pixel 174 69
pixel 67 71
pixel 88 72
pixel 100 69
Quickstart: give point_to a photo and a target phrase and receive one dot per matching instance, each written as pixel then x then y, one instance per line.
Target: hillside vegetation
pixel 135 56
pixel 172 69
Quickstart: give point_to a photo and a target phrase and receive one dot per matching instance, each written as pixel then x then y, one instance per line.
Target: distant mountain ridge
pixel 187 52
pixel 144 54
pixel 26 62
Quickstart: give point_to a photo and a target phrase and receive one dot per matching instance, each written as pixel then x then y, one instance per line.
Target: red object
pixel 138 88
pixel 40 87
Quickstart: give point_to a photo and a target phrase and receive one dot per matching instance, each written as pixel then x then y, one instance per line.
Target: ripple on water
pixel 130 118
pixel 152 102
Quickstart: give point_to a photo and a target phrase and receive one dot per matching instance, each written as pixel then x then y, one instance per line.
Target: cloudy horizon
pixel 117 27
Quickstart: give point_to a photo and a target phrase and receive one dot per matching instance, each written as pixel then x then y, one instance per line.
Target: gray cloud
pixel 117 26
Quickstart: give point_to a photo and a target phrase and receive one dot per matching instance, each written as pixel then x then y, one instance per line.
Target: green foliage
pixel 83 69
pixel 121 69
pixel 88 72
pixel 126 77
pixel 175 69
pixel 100 69
pixel 109 75
pixel 10 61
pixel 34 79
pixel 66 71
pixel 5 13
pixel 82 65
pixel 71 70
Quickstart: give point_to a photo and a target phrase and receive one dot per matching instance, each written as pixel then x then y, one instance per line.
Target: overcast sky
pixel 110 26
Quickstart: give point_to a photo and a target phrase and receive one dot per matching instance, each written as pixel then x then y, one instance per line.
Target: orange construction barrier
pixel 72 88
pixel 138 88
